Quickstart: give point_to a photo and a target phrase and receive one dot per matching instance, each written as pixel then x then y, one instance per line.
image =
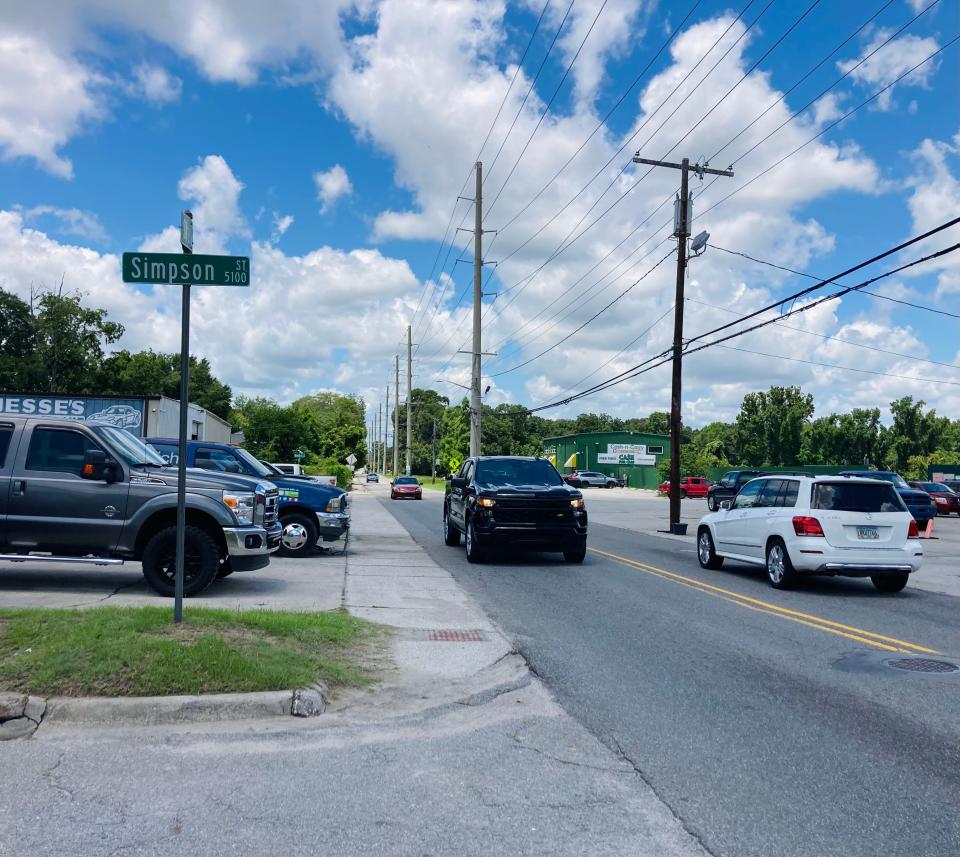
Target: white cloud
pixel 331 185
pixel 215 193
pixel 73 221
pixel 280 225
pixel 156 84
pixel 44 100
pixel 891 61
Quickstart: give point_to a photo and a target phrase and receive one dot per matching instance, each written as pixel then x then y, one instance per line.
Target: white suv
pixel 797 524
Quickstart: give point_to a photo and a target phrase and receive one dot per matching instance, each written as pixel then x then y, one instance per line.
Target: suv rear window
pixel 856 497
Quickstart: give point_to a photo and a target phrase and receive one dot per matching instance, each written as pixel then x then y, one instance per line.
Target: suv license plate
pixel 868 533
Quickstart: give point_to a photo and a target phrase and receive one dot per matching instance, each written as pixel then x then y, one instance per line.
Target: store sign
pixel 625 458
pixel 122 413
pixel 635 448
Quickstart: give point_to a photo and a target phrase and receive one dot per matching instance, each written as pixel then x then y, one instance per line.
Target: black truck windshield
pixel 517 472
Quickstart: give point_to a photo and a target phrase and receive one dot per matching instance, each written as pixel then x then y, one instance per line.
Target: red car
pixel 406 486
pixel 690 486
pixel 947 501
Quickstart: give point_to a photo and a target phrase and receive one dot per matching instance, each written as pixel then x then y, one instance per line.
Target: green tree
pixel 455 437
pixel 770 426
pixel 913 432
pixel 16 342
pixel 339 423
pixel 274 432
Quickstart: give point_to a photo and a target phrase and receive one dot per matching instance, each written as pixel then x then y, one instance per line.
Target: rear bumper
pixel 860 563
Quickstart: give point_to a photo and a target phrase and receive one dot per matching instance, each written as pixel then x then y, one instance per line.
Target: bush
pixel 331 467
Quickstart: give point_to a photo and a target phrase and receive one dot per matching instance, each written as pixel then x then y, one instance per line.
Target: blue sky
pixel 330 144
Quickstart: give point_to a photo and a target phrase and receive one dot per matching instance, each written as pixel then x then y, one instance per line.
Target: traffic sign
pixel 351 459
pixel 298 454
pixel 454 463
pixel 181 268
pixel 186 231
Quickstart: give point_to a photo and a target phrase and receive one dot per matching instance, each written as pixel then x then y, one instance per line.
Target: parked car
pixel 515 502
pixel 920 503
pixel 803 525
pixel 290 469
pixel 953 485
pixel 373 477
pixel 95 494
pixel 728 487
pixel 690 486
pixel 946 500
pixel 406 486
pixel 590 479
pixel 308 512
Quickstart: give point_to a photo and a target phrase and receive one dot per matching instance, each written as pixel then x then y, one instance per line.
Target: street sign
pixel 454 463
pixel 186 231
pixel 351 459
pixel 298 454
pixel 192 269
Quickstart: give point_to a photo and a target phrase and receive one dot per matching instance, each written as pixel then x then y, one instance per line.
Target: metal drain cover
pixel 923 665
pixel 450 635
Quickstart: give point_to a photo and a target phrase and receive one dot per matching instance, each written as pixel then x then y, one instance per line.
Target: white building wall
pixel 163 420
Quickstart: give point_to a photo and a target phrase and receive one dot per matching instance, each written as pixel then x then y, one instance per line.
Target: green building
pixel 629 455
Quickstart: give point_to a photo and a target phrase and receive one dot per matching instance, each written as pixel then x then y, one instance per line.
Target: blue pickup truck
pixel 309 512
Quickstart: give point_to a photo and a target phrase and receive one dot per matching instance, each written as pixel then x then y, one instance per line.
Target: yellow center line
pixel 879 641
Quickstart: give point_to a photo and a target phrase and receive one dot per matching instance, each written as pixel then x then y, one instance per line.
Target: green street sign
pixel 189 269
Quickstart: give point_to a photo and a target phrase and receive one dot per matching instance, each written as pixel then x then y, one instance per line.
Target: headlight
pixel 486 502
pixel 242 505
pixel 578 504
pixel 333 505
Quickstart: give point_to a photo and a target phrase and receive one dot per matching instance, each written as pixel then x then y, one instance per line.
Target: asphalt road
pixel 771 723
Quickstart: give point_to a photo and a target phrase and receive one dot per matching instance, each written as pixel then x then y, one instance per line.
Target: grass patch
pixel 436 486
pixel 137 651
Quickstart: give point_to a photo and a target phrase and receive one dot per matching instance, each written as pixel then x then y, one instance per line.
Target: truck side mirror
pixel 98 467
pixel 458 482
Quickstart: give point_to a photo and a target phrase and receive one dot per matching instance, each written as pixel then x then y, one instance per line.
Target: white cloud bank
pixel 332 185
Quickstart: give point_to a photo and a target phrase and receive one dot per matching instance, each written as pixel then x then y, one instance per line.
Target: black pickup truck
pixel 515 502
pixel 94 494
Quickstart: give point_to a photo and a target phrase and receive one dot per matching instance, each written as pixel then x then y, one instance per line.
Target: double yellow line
pixel 828 626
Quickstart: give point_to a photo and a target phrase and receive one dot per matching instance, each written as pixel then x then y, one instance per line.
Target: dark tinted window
pixel 856 497
pixel 788 496
pixel 6 432
pixel 769 492
pixel 749 496
pixel 218 459
pixel 935 487
pixel 58 450
pixel 745 477
pixel 407 480
pixel 512 471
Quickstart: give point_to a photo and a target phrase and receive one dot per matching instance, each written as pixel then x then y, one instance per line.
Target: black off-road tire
pixel 474 551
pixel 451 535
pixel 299 536
pixel 225 570
pixel 712 503
pixel 201 561
pixel 890 582
pixel 577 555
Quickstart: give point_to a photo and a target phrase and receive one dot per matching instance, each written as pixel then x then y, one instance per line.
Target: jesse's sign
pixel 122 413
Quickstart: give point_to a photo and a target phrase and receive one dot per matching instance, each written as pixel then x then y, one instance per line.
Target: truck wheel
pixel 576 555
pixel 201 561
pixel 299 537
pixel 225 570
pixel 474 551
pixel 712 503
pixel 451 535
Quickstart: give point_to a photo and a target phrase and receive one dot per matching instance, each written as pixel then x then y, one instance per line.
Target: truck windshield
pixel 131 449
pixel 254 464
pixel 517 472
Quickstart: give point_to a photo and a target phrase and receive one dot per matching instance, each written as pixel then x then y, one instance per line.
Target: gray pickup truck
pixel 92 493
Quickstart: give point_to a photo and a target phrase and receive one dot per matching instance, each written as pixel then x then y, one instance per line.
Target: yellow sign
pixel 571 461
pixel 454 463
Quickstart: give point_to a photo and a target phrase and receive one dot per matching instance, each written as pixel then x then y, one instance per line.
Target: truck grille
pixel 270 507
pixel 532 511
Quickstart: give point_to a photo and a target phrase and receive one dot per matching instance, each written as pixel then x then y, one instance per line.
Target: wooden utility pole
pixel 409 396
pixel 386 424
pixel 396 421
pixel 682 233
pixel 475 400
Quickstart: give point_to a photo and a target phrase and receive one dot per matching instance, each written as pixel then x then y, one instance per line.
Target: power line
pixel 588 321
pixel 838 339
pixel 814 277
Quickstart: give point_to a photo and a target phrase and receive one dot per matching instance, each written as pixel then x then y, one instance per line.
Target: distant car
pixel 119 416
pixel 797 525
pixel 729 486
pixel 690 486
pixel 953 485
pixel 372 477
pixel 406 486
pixel 920 503
pixel 947 501
pixel 590 479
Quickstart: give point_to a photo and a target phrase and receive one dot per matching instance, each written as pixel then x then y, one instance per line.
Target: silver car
pixel 591 479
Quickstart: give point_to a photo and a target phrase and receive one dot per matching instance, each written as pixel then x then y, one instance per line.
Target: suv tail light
pixel 913 531
pixel 804 526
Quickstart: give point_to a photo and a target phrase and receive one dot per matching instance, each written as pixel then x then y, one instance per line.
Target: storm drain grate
pixel 924 665
pixel 449 635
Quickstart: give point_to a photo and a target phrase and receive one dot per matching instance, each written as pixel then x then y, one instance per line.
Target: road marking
pixel 879 641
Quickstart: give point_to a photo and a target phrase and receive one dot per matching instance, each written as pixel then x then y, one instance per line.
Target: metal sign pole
pixel 186 239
